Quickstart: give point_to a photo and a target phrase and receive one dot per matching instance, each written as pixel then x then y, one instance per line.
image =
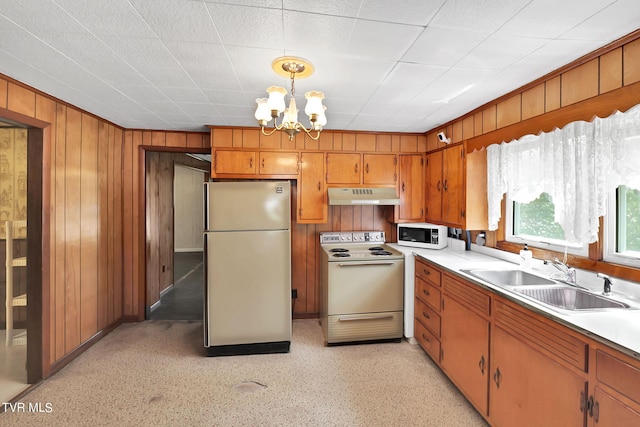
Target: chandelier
pixel 272 107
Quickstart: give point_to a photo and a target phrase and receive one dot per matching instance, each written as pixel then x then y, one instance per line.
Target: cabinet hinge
pixel 462 153
pixel 395 161
pixel 422 161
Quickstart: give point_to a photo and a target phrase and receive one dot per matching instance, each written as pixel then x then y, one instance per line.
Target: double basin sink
pixel 546 291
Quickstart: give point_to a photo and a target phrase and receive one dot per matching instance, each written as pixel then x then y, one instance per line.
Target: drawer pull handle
pixel 425 271
pixel 424 337
pixel 426 315
pixel 351 319
pixel 481 365
pixel 426 292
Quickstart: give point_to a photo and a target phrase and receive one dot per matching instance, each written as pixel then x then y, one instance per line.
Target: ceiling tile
pixel 614 21
pixel 477 15
pixel 41 16
pixel 405 81
pixel 182 94
pixel 535 19
pixel 414 12
pixel 182 20
pixel 317 33
pixel 346 8
pixel 123 19
pixel 499 51
pixel 381 40
pixel 259 27
pixel 443 47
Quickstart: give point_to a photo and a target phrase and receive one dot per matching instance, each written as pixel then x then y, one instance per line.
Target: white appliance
pixel 247 240
pixel 361 288
pixel 422 235
pixel 409 291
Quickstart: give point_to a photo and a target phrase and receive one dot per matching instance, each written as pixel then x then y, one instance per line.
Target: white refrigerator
pixel 247 240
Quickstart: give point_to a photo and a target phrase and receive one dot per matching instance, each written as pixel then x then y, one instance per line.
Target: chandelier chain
pixel 293 86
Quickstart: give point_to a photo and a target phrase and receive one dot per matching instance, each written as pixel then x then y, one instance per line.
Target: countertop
pixel 618 328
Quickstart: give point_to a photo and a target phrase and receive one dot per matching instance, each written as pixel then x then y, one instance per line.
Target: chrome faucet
pixel 568 272
pixel 607 284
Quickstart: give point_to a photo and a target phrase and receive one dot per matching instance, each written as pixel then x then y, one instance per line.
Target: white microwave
pixel 422 235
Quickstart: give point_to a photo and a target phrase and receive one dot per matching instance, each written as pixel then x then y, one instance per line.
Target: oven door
pixel 365 286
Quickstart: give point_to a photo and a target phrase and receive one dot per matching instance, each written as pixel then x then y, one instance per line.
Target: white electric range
pixel 362 288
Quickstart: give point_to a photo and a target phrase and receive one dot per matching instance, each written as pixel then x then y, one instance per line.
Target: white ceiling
pixel 402 66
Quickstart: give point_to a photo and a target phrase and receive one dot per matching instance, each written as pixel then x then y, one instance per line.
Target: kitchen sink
pixel 509 277
pixel 569 298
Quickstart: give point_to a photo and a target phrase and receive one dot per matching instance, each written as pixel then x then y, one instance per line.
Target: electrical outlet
pixel 294 293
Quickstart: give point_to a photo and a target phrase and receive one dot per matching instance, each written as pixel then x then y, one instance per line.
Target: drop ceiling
pixel 401 66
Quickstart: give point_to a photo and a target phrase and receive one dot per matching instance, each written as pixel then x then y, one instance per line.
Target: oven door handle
pixel 350 319
pixel 358 264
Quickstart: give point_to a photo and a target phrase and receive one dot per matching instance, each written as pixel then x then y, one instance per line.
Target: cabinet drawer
pixel 470 295
pixel 618 375
pixel 427 272
pixel 428 293
pixel 428 316
pixel 429 342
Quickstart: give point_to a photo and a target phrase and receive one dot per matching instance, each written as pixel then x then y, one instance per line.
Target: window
pixel 622 238
pixel 533 223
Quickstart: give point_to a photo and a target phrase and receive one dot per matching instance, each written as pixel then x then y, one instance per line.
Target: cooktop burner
pixel 381 253
pixel 341 255
pixel 376 248
pixel 340 250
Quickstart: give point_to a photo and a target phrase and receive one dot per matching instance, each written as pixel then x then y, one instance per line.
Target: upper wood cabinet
pixel 456 188
pixel 272 164
pixel 233 162
pixel 344 168
pixel 411 189
pixel 278 163
pixel 453 186
pixel 380 169
pixel 312 193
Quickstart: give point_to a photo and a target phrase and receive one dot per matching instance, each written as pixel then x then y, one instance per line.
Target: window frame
pixel 542 242
pixel 610 238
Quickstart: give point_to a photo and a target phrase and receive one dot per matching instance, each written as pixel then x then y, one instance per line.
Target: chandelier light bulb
pixel 314 103
pixel 263 114
pixel 276 98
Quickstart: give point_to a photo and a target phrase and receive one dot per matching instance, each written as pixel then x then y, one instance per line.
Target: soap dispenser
pixel 526 258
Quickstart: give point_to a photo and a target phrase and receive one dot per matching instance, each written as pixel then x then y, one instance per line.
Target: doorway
pixel 21 250
pixel 175 270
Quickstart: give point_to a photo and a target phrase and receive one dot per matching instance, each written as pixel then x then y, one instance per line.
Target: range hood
pixel 363 196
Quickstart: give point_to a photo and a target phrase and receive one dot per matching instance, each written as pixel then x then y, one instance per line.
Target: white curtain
pixel 576 165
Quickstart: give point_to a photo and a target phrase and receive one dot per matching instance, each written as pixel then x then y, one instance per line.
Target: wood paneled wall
pixel 82 218
pixel 597 84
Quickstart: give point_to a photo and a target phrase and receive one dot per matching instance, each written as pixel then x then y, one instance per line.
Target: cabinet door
pixel 528 388
pixel 343 168
pixel 411 189
pixel 434 187
pixel 453 180
pixel 278 163
pixel 234 162
pixel 380 169
pixel 465 351
pixel 312 196
pixel 610 412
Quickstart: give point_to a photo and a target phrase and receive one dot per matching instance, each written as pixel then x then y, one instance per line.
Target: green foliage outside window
pixel 628 220
pixel 536 219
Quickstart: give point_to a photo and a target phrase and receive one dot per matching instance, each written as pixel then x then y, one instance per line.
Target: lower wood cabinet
pixel 465 340
pixel 528 388
pixel 518 367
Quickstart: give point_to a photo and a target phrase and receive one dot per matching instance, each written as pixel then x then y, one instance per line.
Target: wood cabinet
pixel 529 388
pixel 271 164
pixel 518 367
pixel 366 169
pixel 453 186
pixel 465 339
pixel 233 162
pixel 344 168
pixel 456 189
pixel 280 163
pixel 616 397
pixel 380 169
pixel 312 193
pixel 427 321
pixel 411 189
